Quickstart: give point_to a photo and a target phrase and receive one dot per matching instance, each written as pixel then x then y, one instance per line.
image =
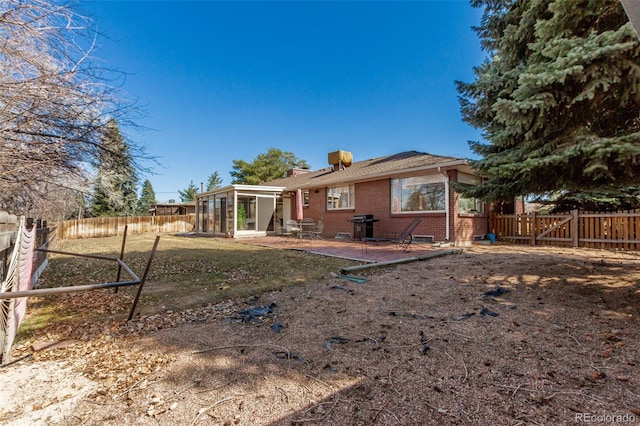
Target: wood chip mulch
pixel 496 335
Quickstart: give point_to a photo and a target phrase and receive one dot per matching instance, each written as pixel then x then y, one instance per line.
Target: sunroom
pixel 237 211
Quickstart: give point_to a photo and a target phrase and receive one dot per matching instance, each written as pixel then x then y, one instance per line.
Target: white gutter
pixel 238 187
pixel 446 215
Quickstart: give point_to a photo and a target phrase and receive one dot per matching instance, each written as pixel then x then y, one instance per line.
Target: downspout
pixel 446 204
pixel 235 213
pixel 446 190
pixel 197 215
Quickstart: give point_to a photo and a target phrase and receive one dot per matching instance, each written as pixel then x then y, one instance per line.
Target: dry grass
pixel 185 273
pixel 420 343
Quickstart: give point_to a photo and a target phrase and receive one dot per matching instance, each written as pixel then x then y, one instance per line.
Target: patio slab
pixel 376 252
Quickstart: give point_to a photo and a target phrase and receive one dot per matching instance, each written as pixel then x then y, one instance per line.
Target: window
pixel 418 194
pixel 341 197
pixel 305 198
pixel 469 205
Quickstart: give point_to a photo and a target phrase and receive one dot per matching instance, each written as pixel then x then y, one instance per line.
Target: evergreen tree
pixel 214 181
pixel 265 167
pixel 558 100
pixel 147 198
pixel 115 190
pixel 189 193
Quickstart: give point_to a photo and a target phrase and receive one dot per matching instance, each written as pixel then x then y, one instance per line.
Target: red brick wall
pixel 464 225
pixel 373 198
pixel 334 220
pixel 470 225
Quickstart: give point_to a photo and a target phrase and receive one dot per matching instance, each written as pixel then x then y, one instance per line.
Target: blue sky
pixel 227 80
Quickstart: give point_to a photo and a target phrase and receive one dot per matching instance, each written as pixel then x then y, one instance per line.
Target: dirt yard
pixel 496 335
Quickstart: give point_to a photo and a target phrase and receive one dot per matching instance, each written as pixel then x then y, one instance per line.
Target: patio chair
pixel 402 241
pixel 292 228
pixel 316 232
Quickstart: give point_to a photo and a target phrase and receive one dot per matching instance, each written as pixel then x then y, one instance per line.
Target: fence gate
pixel 534 228
pixel 556 228
pixel 604 230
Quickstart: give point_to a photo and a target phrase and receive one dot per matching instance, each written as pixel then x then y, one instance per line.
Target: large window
pixel 341 197
pixel 418 194
pixel 469 205
pixel 246 212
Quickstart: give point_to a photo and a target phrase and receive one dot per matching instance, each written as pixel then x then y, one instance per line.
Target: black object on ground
pixel 486 311
pixel 287 355
pixel 336 339
pixel 498 291
pixel 358 280
pixel 376 340
pixel 330 369
pixel 255 313
pixel 465 316
pixel 425 343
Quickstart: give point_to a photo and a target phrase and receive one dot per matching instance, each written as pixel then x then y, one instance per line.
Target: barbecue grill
pixel 363 226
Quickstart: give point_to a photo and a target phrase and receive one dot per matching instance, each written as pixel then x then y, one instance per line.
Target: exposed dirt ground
pixel 496 335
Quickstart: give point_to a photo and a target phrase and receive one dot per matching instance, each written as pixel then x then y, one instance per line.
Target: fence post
pixel 492 221
pixel 124 241
pixel 533 228
pixel 575 228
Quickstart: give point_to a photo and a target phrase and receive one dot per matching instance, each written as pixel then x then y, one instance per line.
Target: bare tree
pixel 55 102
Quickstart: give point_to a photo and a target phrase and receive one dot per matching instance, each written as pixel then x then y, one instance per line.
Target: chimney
pixel 296 172
pixel 340 159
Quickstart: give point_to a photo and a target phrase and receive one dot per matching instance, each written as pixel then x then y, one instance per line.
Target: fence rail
pixel 620 231
pixel 98 227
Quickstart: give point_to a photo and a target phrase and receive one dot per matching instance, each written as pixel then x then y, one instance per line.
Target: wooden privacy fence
pixel 97 227
pixel 619 230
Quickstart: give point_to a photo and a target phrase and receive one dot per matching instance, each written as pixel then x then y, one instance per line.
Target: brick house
pixel 390 190
pixel 171 209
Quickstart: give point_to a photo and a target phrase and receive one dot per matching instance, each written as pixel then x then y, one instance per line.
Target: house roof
pixel 179 204
pixel 372 169
pixel 241 187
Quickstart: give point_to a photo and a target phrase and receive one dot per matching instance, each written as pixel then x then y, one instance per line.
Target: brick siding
pixel 373 198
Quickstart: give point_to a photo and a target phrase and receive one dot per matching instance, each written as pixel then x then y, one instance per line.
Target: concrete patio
pixel 376 252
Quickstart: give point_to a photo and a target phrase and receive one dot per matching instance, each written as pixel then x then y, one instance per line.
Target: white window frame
pixel 351 195
pixel 396 203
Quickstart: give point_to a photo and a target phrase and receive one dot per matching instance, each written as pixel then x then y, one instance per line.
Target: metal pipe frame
pixel 69 289
pixel 124 242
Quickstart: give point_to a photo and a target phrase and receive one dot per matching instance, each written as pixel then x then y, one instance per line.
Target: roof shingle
pixel 364 170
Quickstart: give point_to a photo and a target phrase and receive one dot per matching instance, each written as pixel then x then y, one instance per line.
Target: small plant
pixel 242 217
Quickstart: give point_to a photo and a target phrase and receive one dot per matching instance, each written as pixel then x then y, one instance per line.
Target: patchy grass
pixel 185 273
pixel 47 313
